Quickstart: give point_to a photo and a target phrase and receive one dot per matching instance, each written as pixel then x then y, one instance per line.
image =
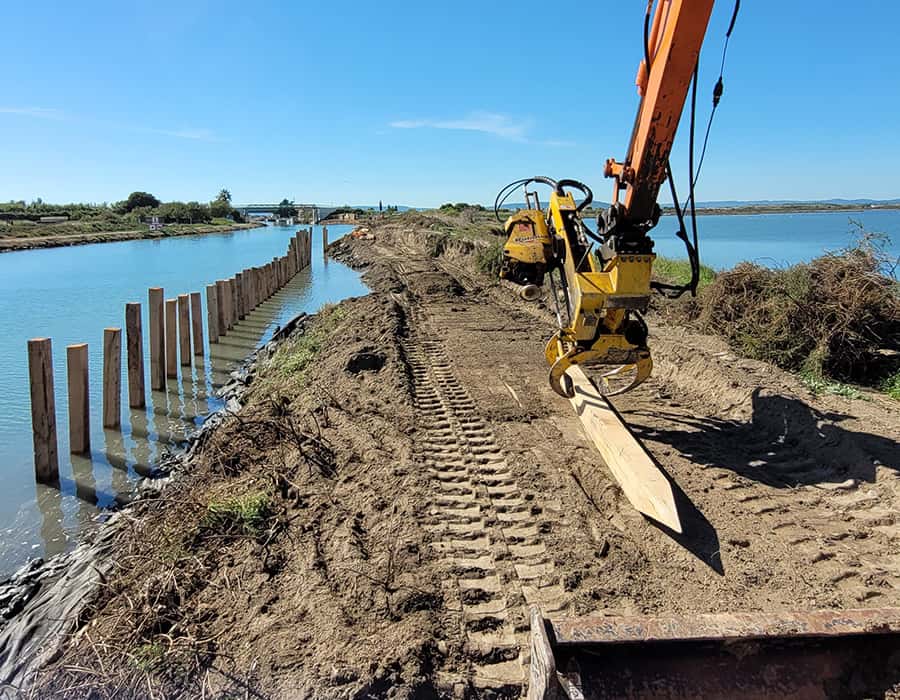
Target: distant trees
pixel 137 200
pixel 286 209
pixel 184 213
pixel 220 207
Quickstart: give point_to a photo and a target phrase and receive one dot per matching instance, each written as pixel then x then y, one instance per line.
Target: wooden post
pixel 233 307
pixel 644 484
pixel 43 411
pixel 324 241
pixel 239 285
pixel 134 342
pixel 171 338
pixel 79 399
pixel 157 340
pixel 197 323
pixel 222 307
pixel 184 328
pixel 212 312
pixel 112 377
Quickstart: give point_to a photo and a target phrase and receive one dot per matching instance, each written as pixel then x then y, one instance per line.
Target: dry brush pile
pixel 836 317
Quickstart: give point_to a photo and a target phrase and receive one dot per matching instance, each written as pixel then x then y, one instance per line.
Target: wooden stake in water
pixel 79 399
pixel 222 308
pixel 43 411
pixel 233 301
pixel 134 342
pixel 172 338
pixel 157 340
pixel 197 323
pixel 112 377
pixel 184 328
pixel 212 312
pixel 239 286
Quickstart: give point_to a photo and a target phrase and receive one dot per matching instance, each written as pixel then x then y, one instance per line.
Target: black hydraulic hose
pixel 588 194
pixel 695 260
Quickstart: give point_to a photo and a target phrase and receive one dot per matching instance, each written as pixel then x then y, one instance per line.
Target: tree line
pixel 137 207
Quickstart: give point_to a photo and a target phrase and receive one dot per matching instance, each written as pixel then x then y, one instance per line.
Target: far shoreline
pixel 15 244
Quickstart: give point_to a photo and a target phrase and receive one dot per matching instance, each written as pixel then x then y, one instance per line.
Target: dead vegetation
pixel 837 317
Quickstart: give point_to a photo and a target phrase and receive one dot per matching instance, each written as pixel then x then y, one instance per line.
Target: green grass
pixel 247 515
pixel 148 657
pixel 891 385
pixel 295 358
pixel 678 271
pixel 819 385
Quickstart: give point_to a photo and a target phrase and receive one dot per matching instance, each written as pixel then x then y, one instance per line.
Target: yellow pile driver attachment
pixel 598 298
pixel 527 252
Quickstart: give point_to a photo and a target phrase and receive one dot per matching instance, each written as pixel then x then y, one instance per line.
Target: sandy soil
pixel 425 485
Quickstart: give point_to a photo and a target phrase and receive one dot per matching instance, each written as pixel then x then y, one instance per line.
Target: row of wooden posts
pixel 174 323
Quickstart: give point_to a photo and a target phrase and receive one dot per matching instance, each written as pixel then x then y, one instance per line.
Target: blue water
pixel 775 240
pixel 69 295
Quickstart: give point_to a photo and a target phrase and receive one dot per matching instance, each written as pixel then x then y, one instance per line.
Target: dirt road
pixel 412 484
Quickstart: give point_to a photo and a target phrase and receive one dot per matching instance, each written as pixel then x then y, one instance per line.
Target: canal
pixel 70 295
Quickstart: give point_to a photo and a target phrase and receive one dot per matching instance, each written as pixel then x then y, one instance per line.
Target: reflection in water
pixel 85 484
pixel 51 521
pixel 53 534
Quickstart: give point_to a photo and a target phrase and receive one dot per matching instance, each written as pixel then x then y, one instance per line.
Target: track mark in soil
pixel 482 524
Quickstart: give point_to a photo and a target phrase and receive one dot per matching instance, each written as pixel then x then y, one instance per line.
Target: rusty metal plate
pixel 724 626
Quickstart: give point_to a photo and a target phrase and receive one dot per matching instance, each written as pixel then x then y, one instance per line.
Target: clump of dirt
pixel 290 561
pixel 837 316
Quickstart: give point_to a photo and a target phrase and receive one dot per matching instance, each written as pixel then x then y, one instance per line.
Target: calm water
pixel 70 295
pixel 774 240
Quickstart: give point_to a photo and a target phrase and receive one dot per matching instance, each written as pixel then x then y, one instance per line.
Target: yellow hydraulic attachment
pixel 604 288
pixel 598 300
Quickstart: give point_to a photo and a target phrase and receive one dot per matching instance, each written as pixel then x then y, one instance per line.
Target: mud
pixel 425 486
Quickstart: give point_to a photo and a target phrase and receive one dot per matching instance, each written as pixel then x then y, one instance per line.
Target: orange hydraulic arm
pixel 673 48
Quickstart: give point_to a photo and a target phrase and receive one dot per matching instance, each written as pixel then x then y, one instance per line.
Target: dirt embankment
pixel 9 242
pixel 402 483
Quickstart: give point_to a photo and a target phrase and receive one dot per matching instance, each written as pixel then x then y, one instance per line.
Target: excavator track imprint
pixel 485 528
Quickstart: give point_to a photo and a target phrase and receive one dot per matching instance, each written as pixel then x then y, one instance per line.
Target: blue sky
pixel 419 103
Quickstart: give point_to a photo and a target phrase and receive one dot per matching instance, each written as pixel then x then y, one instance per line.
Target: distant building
pixel 156 224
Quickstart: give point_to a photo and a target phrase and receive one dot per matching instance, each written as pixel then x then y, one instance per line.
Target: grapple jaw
pixel 614 365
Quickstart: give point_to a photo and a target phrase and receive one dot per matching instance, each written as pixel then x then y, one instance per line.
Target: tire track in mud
pixel 485 526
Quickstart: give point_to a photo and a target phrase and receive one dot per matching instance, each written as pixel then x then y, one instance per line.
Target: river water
pixel 775 240
pixel 70 295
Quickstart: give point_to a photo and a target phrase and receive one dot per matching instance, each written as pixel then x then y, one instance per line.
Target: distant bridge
pixel 316 212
